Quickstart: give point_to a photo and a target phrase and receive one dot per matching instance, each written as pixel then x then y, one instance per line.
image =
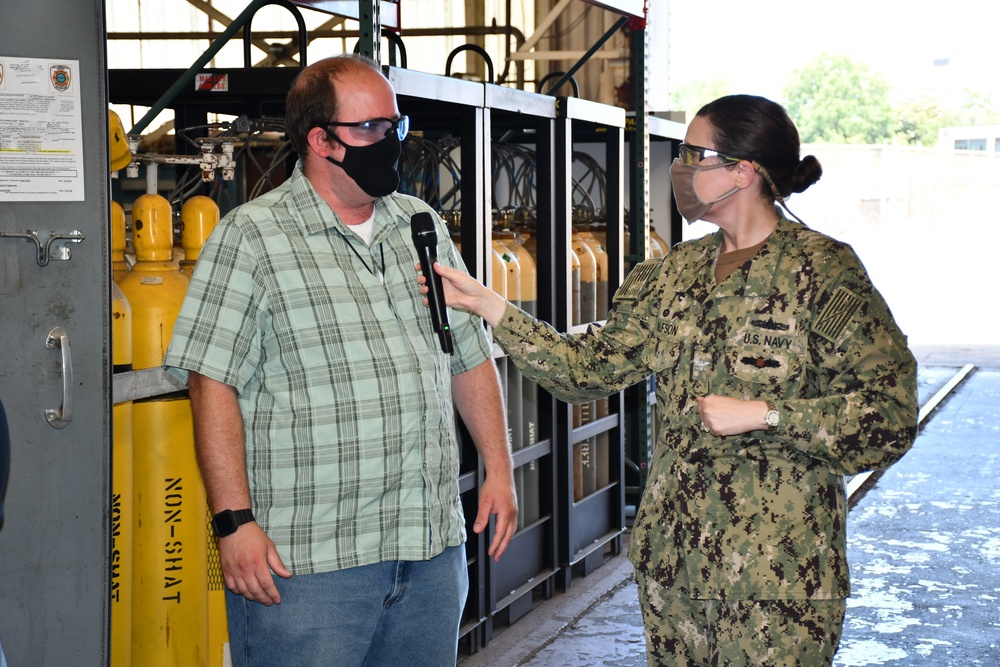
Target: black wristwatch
pixel 227 521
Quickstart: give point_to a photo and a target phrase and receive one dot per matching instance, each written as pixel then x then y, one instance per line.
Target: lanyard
pixel 381 274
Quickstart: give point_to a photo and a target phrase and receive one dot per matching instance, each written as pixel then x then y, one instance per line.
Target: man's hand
pixel 248 556
pixel 497 497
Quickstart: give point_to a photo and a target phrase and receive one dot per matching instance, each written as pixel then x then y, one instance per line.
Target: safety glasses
pixel 375 129
pixel 691 155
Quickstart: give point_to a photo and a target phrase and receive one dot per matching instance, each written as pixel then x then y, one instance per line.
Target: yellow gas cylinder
pixel 170 621
pixel 601 406
pixel 598 232
pixel 574 280
pixel 586 482
pixel 119 266
pixel 660 241
pixel 121 486
pixel 498 271
pixel 529 271
pixel 529 241
pixel 218 622
pixel 118 147
pixel 511 267
pixel 655 249
pixel 199 216
pixel 531 510
pixel 584 479
pixel 169 599
pixel 153 287
pixel 576 318
pixel 498 283
pixel 527 289
pixel 511 274
pixel 588 278
pixel 601 256
pixel 530 505
pixel 502 241
pixel 498 280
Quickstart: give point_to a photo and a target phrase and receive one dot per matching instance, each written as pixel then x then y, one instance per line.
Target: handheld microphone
pixel 425 240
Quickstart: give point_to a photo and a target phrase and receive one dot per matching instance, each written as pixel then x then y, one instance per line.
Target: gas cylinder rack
pixel 447 120
pixel 568 533
pixel 521 134
pixel 665 222
pixel 589 439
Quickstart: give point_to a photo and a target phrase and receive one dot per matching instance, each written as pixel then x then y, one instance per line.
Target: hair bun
pixel 807 172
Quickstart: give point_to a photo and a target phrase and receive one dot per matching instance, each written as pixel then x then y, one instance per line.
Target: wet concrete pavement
pixel 923 543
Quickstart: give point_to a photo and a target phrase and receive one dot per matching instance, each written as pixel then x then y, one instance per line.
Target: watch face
pixel 224 523
pixel 772 418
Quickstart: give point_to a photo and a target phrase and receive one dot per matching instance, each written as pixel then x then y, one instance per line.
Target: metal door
pixel 55 374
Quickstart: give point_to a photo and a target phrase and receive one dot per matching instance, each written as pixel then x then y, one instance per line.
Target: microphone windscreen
pixel 423 230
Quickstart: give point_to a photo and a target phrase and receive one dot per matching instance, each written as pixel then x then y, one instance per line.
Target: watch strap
pixel 245 516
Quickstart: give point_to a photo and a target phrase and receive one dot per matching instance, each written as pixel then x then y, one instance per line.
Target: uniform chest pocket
pixel 663 349
pixel 766 349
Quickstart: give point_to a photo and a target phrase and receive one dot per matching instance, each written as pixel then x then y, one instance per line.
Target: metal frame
pixel 532 559
pixel 633 10
pixel 596 522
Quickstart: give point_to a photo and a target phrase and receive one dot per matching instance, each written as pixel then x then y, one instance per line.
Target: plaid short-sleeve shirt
pixel 345 393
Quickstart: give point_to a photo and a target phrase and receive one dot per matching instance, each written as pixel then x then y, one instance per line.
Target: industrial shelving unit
pixel 591 520
pixel 570 535
pixel 662 137
pixel 528 570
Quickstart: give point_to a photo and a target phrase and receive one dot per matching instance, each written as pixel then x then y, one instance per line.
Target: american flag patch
pixel 837 314
pixel 635 281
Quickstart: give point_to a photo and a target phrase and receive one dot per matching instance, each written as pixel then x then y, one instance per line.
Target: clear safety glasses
pixel 691 155
pixel 374 129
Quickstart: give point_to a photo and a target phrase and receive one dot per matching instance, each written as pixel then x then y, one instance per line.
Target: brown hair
pixel 312 99
pixel 757 129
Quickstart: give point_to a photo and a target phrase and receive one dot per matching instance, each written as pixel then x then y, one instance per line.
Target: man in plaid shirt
pixel 324 406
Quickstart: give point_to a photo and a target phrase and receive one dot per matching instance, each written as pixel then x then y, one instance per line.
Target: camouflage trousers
pixel 682 632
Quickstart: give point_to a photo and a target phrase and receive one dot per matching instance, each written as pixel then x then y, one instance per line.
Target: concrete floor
pixel 924 547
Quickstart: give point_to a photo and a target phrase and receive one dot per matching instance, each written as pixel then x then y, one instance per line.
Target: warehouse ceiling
pixel 523 41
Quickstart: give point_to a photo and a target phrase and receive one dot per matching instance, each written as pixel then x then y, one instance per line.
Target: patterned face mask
pixel 689 202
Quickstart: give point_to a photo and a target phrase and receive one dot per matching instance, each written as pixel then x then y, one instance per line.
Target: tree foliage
pixel 691 96
pixel 836 99
pixel 977 109
pixel 919 121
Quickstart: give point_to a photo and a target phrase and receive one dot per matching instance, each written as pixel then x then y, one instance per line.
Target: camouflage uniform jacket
pixel 760 515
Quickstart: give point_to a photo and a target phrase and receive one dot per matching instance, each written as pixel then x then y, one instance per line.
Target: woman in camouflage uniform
pixel 779 369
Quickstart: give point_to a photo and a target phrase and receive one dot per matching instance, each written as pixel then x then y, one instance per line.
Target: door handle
pixel 64 414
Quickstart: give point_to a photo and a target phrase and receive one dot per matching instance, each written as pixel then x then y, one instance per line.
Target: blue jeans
pixel 386 614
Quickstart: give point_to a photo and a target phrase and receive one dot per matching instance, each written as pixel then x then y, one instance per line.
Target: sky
pixel 755 46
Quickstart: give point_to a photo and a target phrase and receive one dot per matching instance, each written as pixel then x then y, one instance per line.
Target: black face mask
pixel 372 167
